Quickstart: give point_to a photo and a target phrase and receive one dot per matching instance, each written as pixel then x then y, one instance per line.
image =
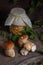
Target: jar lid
pixel 18 17
pixel 17 11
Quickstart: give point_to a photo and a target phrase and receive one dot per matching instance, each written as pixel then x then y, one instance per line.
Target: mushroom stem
pixel 10 52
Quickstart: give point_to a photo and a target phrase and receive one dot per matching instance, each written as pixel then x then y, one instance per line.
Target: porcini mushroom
pixel 24 52
pixel 23 39
pixel 30 46
pixel 9 48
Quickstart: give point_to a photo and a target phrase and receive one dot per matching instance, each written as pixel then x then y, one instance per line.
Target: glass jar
pixel 16 29
pixel 17 20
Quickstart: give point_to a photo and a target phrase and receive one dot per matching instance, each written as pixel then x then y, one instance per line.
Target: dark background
pixel 6 6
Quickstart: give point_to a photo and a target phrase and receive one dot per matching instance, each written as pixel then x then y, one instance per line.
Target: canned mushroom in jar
pixel 18 20
pixel 16 29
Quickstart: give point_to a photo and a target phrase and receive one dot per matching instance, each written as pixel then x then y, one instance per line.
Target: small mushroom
pixel 9 48
pixel 23 39
pixel 24 52
pixel 30 46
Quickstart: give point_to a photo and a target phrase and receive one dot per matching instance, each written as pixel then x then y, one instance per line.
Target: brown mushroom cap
pixel 8 45
pixel 22 40
pixel 28 45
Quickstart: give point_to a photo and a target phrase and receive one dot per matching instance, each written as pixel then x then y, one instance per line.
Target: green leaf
pixel 32 63
pixel 32 36
pixel 41 36
pixel 30 32
pixel 23 31
pixel 33 3
pixel 10 36
pixel 14 37
pixel 40 51
pixel 39 22
pixel 39 4
pixel 31 10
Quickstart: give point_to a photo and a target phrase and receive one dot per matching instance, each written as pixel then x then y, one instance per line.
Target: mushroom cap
pixel 28 45
pixel 22 40
pixel 9 45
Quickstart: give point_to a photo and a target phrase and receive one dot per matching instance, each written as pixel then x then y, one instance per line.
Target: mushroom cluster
pixel 26 44
pixel 23 42
pixel 9 48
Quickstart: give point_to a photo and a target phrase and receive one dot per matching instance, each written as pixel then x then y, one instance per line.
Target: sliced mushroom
pixel 24 52
pixel 33 49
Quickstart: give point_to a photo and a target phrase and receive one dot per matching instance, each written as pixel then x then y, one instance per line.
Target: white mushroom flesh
pixel 24 52
pixel 10 52
pixel 25 40
pixel 33 48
